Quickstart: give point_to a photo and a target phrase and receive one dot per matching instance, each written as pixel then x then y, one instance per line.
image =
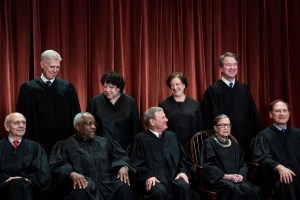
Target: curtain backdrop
pixel 146 40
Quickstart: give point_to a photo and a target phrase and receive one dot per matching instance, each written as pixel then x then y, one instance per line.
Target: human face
pixel 51 68
pixel 230 68
pixel 111 91
pixel 87 127
pixel 223 128
pixel 280 114
pixel 16 125
pixel 177 87
pixel 159 123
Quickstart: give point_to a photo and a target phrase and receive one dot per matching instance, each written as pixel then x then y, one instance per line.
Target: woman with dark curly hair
pixel 115 112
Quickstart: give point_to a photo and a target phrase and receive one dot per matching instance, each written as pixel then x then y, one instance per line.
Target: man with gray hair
pixel 164 168
pixel 88 166
pixel 24 167
pixel 48 103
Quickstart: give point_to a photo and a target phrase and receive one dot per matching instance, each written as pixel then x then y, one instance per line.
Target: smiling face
pixel 15 125
pixel 280 114
pixel 223 128
pixel 230 68
pixel 50 68
pixel 159 122
pixel 177 87
pixel 111 91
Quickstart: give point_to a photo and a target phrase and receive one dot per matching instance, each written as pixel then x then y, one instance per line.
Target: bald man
pixel 24 168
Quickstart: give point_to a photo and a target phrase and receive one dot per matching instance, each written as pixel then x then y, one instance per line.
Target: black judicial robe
pixel 119 121
pixel 49 111
pixel 271 148
pixel 98 160
pixel 238 104
pixel 162 158
pixel 184 118
pixel 29 160
pixel 218 161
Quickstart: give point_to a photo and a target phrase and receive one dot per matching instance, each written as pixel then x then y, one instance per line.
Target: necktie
pixel 283 130
pixel 230 85
pixel 48 83
pixel 15 143
pixel 160 136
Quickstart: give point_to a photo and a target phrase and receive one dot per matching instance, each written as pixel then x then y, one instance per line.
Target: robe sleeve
pixel 41 177
pixel 135 118
pixel 261 152
pixel 119 157
pixel 59 166
pixel 207 110
pixel 211 170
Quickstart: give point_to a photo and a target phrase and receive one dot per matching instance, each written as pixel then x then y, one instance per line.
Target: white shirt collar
pixel 279 128
pixel 227 82
pixel 155 133
pixel 44 79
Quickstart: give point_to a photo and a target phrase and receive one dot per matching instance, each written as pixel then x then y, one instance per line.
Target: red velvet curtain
pixel 146 40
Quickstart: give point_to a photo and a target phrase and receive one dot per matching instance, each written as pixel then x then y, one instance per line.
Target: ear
pixel 215 128
pixel 6 126
pixel 77 127
pixel 152 122
pixel 42 64
pixel 270 114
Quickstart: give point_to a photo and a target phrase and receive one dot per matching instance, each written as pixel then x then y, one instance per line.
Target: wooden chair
pixel 196 145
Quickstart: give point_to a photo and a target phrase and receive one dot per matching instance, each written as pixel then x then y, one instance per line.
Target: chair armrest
pixel 253 170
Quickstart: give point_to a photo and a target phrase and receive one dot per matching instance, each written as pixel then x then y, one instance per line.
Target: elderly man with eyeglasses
pixel 24 169
pixel 88 166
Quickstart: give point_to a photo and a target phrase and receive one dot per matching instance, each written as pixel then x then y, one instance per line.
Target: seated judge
pixel 24 169
pixel 223 164
pixel 276 148
pixel 87 166
pixel 164 168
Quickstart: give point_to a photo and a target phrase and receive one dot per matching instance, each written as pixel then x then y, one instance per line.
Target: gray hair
pixel 219 117
pixel 78 117
pixel 150 113
pixel 50 55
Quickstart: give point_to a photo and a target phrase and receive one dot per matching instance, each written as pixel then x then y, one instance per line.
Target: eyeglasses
pixel 224 125
pixel 89 123
pixel 18 123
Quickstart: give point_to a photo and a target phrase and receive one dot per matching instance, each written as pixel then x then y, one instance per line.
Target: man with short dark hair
pixel 276 148
pixel 233 98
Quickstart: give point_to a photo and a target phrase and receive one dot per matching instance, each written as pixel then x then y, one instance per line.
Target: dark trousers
pixel 16 189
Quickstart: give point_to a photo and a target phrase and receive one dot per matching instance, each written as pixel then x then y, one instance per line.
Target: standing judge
pixel 116 113
pixel 276 148
pixel 24 169
pixel 48 103
pixel 233 98
pixel 87 166
pixel 183 113
pixel 164 169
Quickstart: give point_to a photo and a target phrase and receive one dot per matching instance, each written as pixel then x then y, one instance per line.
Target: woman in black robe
pixel 116 113
pixel 183 112
pixel 224 166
